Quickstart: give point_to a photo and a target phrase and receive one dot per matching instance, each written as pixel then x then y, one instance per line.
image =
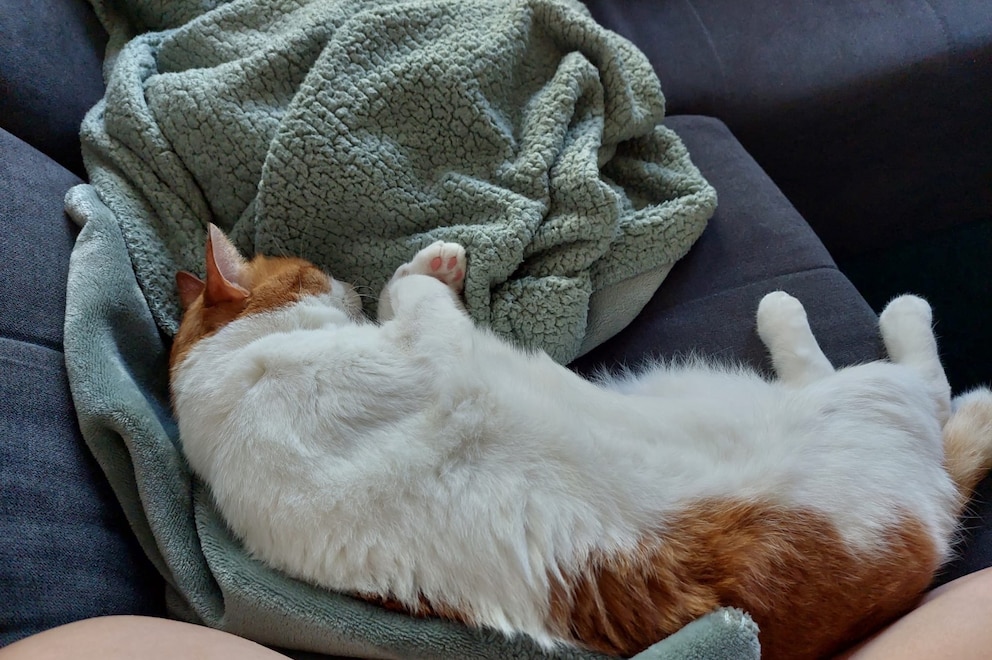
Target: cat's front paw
pixel 905 312
pixel 443 261
pixel 778 314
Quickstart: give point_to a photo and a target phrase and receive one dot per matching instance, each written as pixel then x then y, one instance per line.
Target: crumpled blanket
pixel 353 133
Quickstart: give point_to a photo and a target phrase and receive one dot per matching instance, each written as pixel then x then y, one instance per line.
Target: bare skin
pixel 952 622
pixel 120 637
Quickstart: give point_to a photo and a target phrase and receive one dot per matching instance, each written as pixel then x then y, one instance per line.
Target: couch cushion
pixel 755 243
pixel 35 238
pixel 66 552
pixel 50 73
pixel 868 114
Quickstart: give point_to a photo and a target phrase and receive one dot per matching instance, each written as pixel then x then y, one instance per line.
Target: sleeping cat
pixel 425 464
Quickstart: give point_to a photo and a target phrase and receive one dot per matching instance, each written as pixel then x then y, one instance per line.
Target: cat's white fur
pixel 425 456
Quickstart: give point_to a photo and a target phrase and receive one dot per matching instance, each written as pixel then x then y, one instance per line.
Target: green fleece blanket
pixel 353 133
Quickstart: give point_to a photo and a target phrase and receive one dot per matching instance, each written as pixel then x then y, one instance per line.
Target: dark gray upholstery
pixel 37 240
pixel 864 112
pixel 755 243
pixel 45 90
pixel 66 551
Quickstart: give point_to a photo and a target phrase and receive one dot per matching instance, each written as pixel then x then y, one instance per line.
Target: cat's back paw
pixel 968 439
pixel 443 261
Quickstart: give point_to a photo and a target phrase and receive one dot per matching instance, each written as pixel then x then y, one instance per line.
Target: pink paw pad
pixel 436 263
pixel 444 261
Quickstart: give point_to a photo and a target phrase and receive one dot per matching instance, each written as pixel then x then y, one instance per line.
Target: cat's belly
pixel 846 447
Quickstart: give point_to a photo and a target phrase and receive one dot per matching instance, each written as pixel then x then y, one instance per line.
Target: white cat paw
pixel 906 312
pixel 784 328
pixel 779 312
pixel 443 261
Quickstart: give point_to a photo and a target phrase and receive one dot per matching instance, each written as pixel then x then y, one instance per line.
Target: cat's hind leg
pixel 437 271
pixel 784 328
pixel 967 440
pixel 906 325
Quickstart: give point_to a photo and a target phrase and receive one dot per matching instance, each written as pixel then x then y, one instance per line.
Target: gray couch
pixel 867 116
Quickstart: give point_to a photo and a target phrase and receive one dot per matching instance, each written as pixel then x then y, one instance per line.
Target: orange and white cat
pixel 426 464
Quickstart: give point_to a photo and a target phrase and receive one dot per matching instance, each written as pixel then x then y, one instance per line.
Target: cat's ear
pixel 190 286
pixel 226 270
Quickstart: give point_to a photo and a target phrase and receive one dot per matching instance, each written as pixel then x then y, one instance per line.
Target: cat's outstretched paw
pixel 440 260
pixel 780 315
pixel 906 325
pixel 905 312
pixel 783 326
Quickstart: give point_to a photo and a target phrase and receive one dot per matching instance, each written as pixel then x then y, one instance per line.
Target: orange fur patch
pixel 273 282
pixel 968 443
pixel 787 568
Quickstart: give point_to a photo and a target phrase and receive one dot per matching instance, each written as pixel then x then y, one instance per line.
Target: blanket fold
pixel 352 133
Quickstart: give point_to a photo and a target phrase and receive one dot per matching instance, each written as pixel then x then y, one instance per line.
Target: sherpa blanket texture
pixel 352 134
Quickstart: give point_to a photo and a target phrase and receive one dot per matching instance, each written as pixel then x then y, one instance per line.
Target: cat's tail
pixel 968 441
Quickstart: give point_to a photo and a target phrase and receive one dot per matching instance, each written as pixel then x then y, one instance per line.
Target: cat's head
pixel 235 287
